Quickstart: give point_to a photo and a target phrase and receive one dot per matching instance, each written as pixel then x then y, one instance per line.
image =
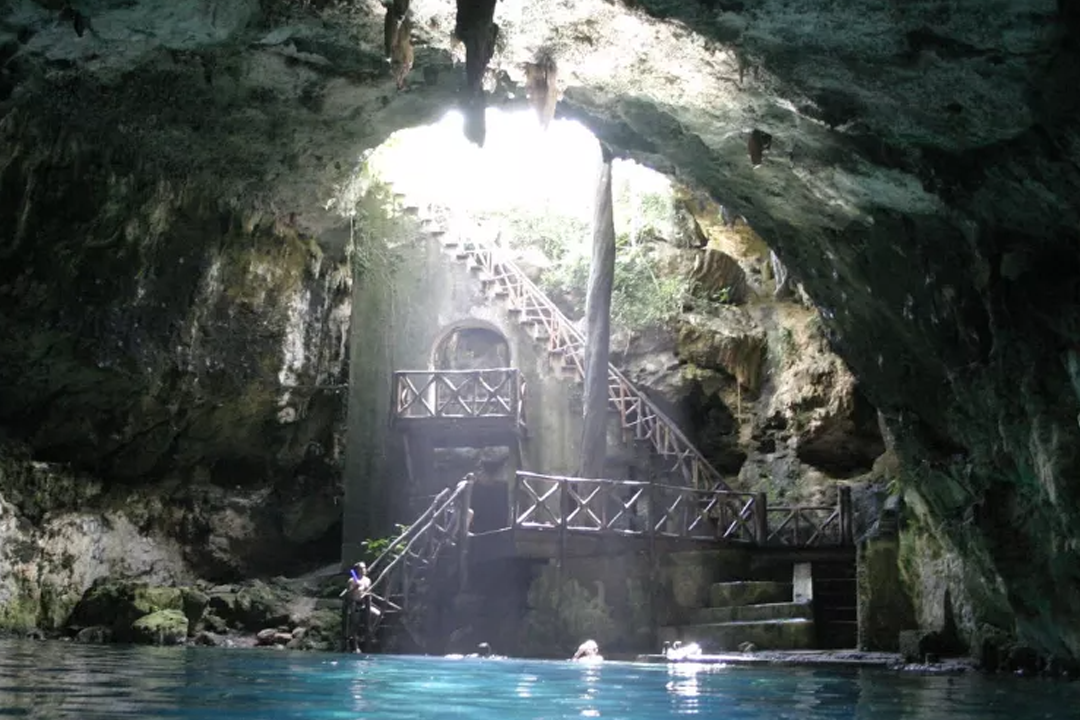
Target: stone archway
pixel 470 345
pixel 477 345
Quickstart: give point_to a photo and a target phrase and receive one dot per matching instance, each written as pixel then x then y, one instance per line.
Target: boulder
pixel 164 627
pixel 194 603
pixel 266 636
pixel 208 639
pixel 918 646
pixel 95 634
pixel 117 604
pixel 257 605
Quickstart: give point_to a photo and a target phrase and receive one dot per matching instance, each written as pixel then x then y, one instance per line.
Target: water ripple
pixel 59 680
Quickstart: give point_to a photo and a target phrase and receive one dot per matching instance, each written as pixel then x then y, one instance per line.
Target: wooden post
pixel 761 518
pixel 598 327
pixel 395 395
pixel 515 395
pixel 654 567
pixel 512 497
pixel 847 525
pixel 463 535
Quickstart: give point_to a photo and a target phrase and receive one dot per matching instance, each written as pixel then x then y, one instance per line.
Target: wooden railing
pixel 640 418
pixel 452 394
pixel 402 573
pixel 809 525
pixel 632 508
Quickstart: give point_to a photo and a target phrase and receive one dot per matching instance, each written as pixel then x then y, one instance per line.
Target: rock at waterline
pixel 164 627
pixel 117 605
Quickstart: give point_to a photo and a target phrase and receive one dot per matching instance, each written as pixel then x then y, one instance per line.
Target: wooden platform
pixel 474 432
pixel 544 543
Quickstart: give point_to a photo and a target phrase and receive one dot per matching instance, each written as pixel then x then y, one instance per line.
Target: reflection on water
pixel 55 680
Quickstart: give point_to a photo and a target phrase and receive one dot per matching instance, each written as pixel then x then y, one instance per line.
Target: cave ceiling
pixel 914 149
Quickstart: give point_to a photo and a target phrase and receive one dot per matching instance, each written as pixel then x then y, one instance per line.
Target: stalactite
pixel 475 27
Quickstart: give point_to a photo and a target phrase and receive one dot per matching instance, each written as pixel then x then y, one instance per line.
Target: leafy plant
pixel 640 299
pixel 374 547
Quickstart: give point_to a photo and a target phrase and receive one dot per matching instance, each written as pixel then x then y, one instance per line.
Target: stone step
pixel 793 634
pixel 750 592
pixel 752 613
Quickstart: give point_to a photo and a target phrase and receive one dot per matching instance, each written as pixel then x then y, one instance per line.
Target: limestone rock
pixel 95 634
pixel 266 636
pixel 257 605
pixel 730 341
pixel 119 604
pixel 164 627
pixel 207 638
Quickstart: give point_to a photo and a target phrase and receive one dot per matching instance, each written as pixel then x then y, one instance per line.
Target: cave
pixel 177 190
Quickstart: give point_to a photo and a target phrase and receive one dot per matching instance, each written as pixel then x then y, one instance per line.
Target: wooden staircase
pixel 426 557
pixel 639 418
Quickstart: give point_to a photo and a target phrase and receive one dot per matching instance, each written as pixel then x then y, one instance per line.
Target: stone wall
pixel 619 600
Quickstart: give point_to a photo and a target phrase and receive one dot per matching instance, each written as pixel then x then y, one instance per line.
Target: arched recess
pixel 477 345
pixel 470 344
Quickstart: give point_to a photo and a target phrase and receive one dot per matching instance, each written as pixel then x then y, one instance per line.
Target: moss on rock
pixel 118 604
pixel 164 627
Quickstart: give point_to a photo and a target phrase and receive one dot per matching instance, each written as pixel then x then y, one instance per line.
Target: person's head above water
pixel 483 650
pixel 587 649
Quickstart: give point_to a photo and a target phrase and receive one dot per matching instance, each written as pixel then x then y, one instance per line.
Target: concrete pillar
pixel 802 583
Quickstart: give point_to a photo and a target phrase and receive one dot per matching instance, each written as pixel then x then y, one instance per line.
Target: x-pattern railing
pixel 639 416
pixel 625 507
pixel 494 392
pixel 803 526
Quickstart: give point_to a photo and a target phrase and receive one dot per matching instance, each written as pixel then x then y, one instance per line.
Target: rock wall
pixel 752 379
pixel 54 544
pixel 184 356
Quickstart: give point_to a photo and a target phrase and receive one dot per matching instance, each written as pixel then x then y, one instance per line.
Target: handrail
pixel 635 483
pixel 619 387
pixel 422 524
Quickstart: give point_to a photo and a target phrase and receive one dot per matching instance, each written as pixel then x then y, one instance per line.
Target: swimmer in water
pixel 483 650
pixel 588 651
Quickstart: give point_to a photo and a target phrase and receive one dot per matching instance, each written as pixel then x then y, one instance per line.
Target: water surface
pixel 61 680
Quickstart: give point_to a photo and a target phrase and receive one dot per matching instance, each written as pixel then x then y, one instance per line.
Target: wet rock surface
pixel 299 613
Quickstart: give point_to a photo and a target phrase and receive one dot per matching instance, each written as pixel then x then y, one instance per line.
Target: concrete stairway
pixel 755 611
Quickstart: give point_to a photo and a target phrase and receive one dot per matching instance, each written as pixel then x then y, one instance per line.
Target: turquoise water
pixel 59 680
